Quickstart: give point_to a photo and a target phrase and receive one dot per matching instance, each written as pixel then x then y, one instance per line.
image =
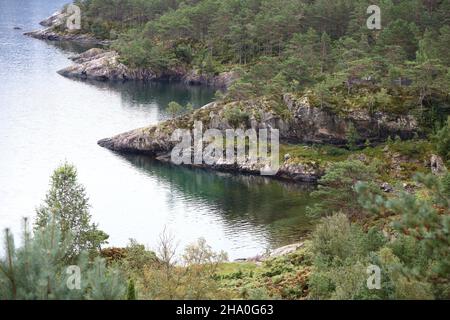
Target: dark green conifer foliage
pixel 38 270
pixel 336 190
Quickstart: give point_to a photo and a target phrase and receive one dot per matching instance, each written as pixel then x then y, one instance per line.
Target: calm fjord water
pixel 46 119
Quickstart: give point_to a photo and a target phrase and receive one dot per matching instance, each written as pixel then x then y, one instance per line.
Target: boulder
pixel 386 187
pixel 285 250
pixel 437 165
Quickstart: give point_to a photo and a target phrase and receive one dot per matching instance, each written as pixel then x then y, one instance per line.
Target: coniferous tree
pixel 336 190
pixel 67 203
pixel 39 270
pixel 442 141
pixel 424 222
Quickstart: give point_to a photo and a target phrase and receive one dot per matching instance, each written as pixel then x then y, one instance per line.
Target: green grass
pixel 316 153
pixel 229 268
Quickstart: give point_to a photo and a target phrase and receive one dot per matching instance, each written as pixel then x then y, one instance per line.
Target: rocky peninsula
pixel 105 65
pixel 300 120
pixel 301 123
pixel 54 31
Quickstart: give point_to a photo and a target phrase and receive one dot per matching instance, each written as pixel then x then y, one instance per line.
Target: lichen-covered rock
pixel 316 125
pixel 103 65
pixel 55 19
pixel 306 124
pixel 282 251
pixel 99 64
pixel 53 32
pixel 87 55
pixel 437 165
pixel 222 80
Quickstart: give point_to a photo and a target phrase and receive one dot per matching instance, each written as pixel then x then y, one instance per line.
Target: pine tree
pixel 352 137
pixel 38 270
pixel 336 190
pixel 442 141
pixel 67 203
pixel 174 108
pixel 423 221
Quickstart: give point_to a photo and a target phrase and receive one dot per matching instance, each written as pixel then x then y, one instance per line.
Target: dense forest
pixel 293 46
pixel 320 48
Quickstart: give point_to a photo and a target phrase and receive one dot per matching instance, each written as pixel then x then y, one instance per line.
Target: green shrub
pixel 235 116
pixel 342 252
pixel 423 233
pixel 442 141
pixel 336 190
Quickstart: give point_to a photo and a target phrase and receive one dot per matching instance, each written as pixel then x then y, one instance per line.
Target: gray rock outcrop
pixel 99 64
pixel 307 124
pixel 54 31
pixel 317 125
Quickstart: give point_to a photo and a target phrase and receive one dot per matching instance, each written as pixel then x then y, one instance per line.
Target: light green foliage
pixel 174 108
pixel 131 290
pixel 284 277
pixel 190 278
pixel 105 283
pixel 423 225
pixel 137 257
pixel 38 270
pixel 236 116
pixel 67 203
pixel 341 255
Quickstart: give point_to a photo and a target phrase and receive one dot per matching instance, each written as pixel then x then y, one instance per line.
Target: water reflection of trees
pixel 71 47
pixel 259 201
pixel 159 94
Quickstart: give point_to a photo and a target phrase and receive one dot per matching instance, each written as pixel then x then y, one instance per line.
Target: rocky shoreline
pixel 52 33
pixel 306 124
pixel 301 123
pixel 104 65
